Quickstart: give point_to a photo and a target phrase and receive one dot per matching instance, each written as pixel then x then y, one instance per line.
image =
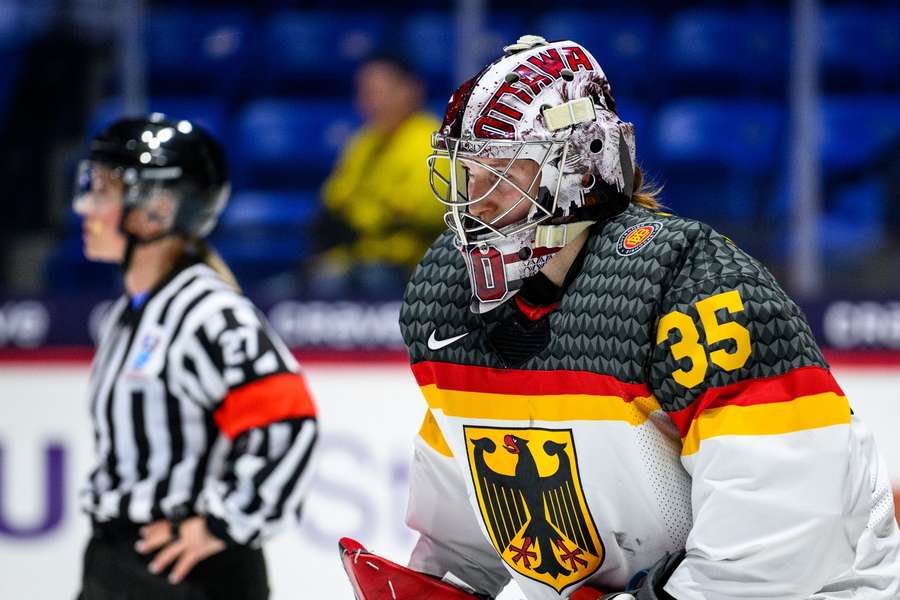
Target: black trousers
pixel 113 570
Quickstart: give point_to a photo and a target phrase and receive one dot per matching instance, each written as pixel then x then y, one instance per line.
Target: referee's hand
pixel 193 544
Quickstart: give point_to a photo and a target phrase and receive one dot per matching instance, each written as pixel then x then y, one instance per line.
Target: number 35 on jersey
pixel 729 357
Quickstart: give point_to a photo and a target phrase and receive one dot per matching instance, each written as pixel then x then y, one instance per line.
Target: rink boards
pixel 369 414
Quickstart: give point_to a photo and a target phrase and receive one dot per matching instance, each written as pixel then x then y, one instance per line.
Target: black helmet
pixel 153 154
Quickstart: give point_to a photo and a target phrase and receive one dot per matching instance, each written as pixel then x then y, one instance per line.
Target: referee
pixel 203 424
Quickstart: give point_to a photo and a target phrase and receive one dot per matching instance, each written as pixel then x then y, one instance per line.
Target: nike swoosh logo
pixel 436 344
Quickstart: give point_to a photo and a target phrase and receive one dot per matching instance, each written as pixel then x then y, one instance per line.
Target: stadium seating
pixel 726 52
pixel 191 50
pixel 718 157
pixel 281 143
pixel 269 210
pixel 69 271
pixel 860 47
pixel 623 43
pixel 209 112
pixel 856 129
pixel 705 86
pixel 740 136
pixel 300 48
pixel 429 42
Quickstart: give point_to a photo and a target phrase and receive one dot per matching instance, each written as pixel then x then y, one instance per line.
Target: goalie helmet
pixel 549 103
pixel 152 155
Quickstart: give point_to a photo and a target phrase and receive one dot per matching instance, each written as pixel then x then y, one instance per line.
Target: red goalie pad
pixel 376 578
pixel 586 592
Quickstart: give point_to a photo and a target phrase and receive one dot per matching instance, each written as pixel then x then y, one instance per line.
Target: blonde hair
pixel 646 193
pixel 207 254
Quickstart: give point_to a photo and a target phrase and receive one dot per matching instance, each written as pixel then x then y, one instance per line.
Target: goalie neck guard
pixel 549 103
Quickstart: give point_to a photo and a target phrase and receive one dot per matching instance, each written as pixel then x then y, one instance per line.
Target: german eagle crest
pixel 532 503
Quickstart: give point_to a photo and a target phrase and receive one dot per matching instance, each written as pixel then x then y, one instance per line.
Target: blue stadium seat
pixel 9 72
pixel 621 42
pixel 727 50
pixel 501 29
pixel 21 20
pixel 429 44
pixel 861 41
pixel 744 136
pixel 855 129
pixel 639 115
pixel 191 50
pixel 263 234
pixel 288 143
pixel 273 210
pixel 429 41
pixel 717 159
pixel 209 112
pixel 300 47
pixel 263 249
pixel 67 269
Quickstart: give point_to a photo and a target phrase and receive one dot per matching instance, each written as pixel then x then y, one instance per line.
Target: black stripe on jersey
pixel 212 432
pixel 256 501
pixel 290 485
pixel 111 460
pixel 165 311
pixel 176 442
pixel 212 350
pixel 298 471
pixel 140 433
pixel 187 311
pixel 100 368
pixel 280 349
pixel 264 444
pixel 190 366
pixel 263 474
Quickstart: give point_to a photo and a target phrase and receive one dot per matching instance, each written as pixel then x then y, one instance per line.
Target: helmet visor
pixel 97 185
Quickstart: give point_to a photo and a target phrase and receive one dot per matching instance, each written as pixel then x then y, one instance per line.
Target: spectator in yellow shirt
pixel 380 216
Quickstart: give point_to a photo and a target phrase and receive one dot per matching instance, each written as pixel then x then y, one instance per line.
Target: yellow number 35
pixel 690 347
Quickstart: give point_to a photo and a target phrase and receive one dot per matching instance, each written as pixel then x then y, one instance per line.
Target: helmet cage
pixel 449 165
pixel 139 186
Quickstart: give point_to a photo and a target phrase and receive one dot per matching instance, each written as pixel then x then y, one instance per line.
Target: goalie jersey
pixel 674 400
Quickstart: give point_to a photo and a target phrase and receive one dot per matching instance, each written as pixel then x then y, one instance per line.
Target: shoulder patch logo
pixel 148 344
pixel 636 237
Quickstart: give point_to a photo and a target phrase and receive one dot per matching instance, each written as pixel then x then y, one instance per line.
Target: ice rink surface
pixel 369 415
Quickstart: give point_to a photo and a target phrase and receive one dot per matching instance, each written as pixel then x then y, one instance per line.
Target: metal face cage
pixel 453 159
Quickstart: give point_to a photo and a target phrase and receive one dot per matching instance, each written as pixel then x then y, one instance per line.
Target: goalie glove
pixel 376 578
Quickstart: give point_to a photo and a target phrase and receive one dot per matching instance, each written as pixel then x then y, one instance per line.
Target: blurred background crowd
pixel 777 122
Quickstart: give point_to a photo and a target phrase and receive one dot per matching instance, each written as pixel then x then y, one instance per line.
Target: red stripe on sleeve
pixel 263 402
pixel 449 376
pixel 803 381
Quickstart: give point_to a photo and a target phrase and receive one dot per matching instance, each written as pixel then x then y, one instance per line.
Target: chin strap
pixel 132 241
pixel 557 236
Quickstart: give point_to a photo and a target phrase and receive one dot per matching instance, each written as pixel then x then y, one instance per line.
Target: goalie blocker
pixel 376 578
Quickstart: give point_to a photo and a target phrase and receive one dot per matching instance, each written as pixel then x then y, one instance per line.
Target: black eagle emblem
pixel 543 512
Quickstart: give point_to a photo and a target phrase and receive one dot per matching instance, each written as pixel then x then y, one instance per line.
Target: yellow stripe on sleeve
pixel 802 413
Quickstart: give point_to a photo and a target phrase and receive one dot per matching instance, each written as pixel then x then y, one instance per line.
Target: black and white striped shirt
pixel 198 408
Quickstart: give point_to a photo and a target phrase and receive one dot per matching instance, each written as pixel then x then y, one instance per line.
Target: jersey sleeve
pixel 766 439
pixel 450 539
pixel 259 402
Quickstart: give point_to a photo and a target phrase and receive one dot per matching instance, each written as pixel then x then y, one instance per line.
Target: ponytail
pixel 646 194
pixel 207 254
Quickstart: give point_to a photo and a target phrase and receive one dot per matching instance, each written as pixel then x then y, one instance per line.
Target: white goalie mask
pixel 549 103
